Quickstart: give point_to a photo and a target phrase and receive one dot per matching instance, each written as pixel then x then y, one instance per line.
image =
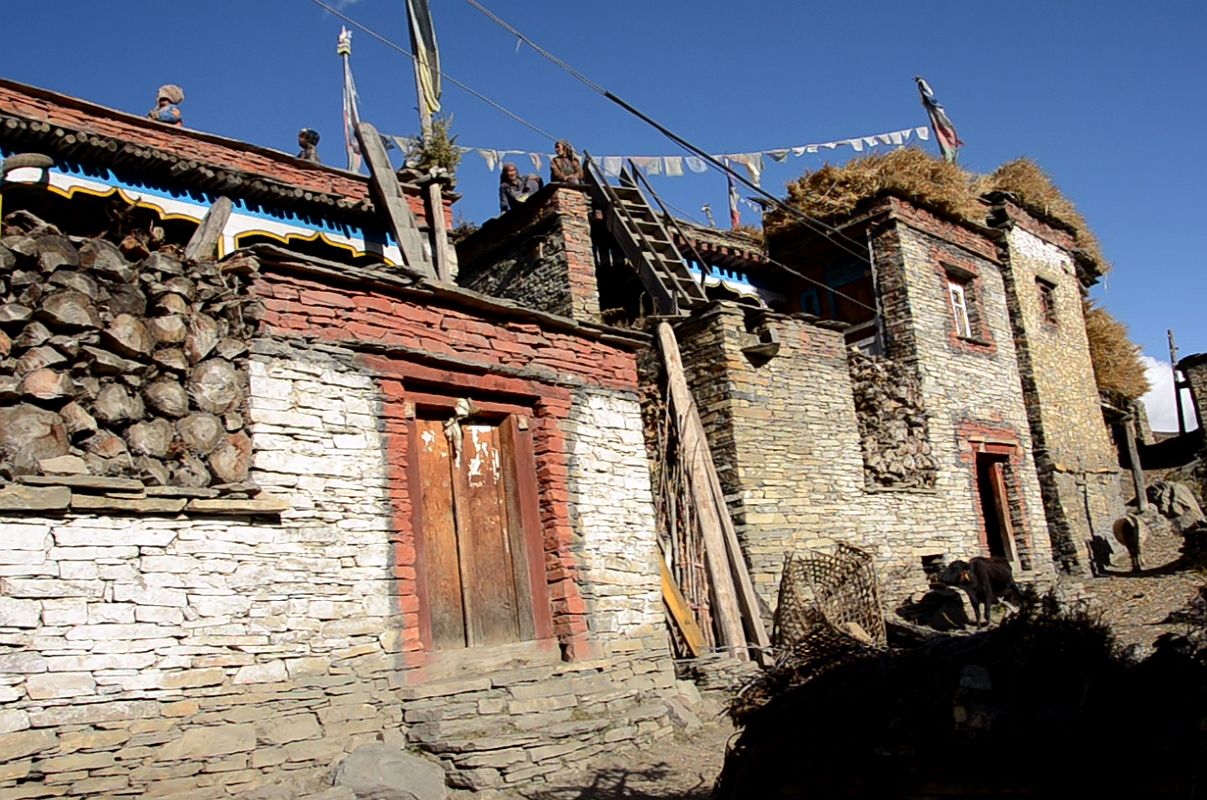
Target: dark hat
pixel 310 135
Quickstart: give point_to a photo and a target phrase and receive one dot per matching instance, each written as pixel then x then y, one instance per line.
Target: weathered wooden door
pixel 471 533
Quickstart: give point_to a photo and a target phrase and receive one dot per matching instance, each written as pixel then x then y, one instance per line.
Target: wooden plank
pixel 747 598
pixel 436 537
pixel 386 190
pixel 681 612
pixel 440 245
pixel 528 489
pixel 204 240
pixel 1001 505
pixel 509 490
pixel 487 587
pixel 695 449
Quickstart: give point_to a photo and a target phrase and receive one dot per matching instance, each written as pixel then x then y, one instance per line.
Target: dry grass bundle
pixel 1117 364
pixel 1033 189
pixel 832 191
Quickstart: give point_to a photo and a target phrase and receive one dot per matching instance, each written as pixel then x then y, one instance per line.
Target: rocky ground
pixel 1137 606
pixel 684 767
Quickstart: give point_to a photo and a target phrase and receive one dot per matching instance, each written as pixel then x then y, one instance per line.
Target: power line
pixel 816 225
pixel 389 43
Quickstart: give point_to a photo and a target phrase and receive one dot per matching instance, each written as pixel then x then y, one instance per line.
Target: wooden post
pixel 695 449
pixel 1133 455
pixel 387 191
pixel 1177 387
pixel 440 245
pixel 206 237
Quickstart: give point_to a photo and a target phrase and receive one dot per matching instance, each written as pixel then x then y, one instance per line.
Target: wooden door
pixel 471 533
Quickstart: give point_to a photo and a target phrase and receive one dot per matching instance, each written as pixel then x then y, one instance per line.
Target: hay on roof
pixel 1117 364
pixel 836 191
pixel 1034 190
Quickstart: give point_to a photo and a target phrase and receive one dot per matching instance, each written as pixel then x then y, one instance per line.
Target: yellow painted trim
pixel 163 214
pixel 316 236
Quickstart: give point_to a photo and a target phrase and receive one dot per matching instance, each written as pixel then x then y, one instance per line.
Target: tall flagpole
pixel 422 61
pixel 351 114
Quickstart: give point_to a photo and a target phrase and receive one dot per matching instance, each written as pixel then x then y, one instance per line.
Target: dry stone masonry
pixel 892 423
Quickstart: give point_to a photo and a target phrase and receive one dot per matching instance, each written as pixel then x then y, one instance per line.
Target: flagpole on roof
pixel 351 114
pixel 426 61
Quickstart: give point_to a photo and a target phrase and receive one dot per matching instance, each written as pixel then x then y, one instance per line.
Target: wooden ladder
pixel 644 239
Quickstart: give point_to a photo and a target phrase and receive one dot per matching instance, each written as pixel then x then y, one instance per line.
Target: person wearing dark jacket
pixel 514 189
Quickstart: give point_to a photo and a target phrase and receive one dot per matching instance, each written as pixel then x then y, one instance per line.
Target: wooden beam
pixel 205 238
pixel 681 612
pixel 389 194
pixel 694 448
pixel 440 245
pixel 1133 455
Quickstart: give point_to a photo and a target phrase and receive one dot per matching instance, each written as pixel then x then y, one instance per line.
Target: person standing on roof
pixel 308 140
pixel 565 166
pixel 167 105
pixel 514 189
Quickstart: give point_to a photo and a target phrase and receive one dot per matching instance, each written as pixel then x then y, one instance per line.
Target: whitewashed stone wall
pixel 184 653
pixel 611 508
pixel 206 656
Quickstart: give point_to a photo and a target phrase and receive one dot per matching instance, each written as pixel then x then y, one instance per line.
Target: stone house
pixel 260 510
pixel 264 508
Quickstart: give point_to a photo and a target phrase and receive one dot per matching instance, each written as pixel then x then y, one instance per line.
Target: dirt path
pixel 1136 605
pixel 685 766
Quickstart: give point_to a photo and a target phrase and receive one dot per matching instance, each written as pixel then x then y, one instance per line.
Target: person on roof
pixel 514 189
pixel 565 166
pixel 308 140
pixel 167 105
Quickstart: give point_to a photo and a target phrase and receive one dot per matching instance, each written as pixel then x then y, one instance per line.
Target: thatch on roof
pixel 1117 365
pixel 836 191
pixel 1034 189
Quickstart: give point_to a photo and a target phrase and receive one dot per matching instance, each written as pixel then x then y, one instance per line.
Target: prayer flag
pixel 427 58
pixel 945 132
pixel 735 214
pixel 351 113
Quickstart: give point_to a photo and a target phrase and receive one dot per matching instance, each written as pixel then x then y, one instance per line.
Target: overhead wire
pixel 459 84
pixel 815 224
pixel 600 89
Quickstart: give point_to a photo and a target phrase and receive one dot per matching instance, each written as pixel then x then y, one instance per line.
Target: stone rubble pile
pixel 119 361
pixel 892 423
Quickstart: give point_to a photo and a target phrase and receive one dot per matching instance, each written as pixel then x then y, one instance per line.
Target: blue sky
pixel 1107 96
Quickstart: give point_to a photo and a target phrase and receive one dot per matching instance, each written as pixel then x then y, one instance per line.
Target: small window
pixel 959 308
pixel 1047 300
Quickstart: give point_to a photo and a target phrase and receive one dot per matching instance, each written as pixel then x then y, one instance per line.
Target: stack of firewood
pixel 892 423
pixel 120 359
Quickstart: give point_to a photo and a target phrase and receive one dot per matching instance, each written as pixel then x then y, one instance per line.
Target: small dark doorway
pixel 995 504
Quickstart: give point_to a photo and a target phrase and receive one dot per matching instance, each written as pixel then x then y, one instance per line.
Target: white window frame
pixel 959 309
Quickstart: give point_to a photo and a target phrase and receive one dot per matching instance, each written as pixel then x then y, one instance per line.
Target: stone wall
pixel 1074 455
pixel 971 386
pixel 1194 368
pixel 538 255
pixel 786 438
pixel 208 654
pixel 892 423
pixel 786 442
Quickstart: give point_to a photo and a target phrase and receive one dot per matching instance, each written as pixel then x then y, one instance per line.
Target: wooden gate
pixel 471 530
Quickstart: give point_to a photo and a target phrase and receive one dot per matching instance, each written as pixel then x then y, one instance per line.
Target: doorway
pixel 995 504
pixel 471 529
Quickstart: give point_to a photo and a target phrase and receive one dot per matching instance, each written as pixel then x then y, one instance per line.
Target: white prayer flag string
pixel 673 166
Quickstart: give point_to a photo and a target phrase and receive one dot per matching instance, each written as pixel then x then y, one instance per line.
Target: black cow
pixel 985 580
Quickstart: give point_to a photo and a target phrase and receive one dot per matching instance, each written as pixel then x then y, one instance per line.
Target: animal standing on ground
pixel 984 580
pixel 1130 531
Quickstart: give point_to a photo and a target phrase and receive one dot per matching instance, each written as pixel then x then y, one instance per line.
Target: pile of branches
pixel 1117 365
pixel 1033 189
pixel 836 191
pixel 1032 707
